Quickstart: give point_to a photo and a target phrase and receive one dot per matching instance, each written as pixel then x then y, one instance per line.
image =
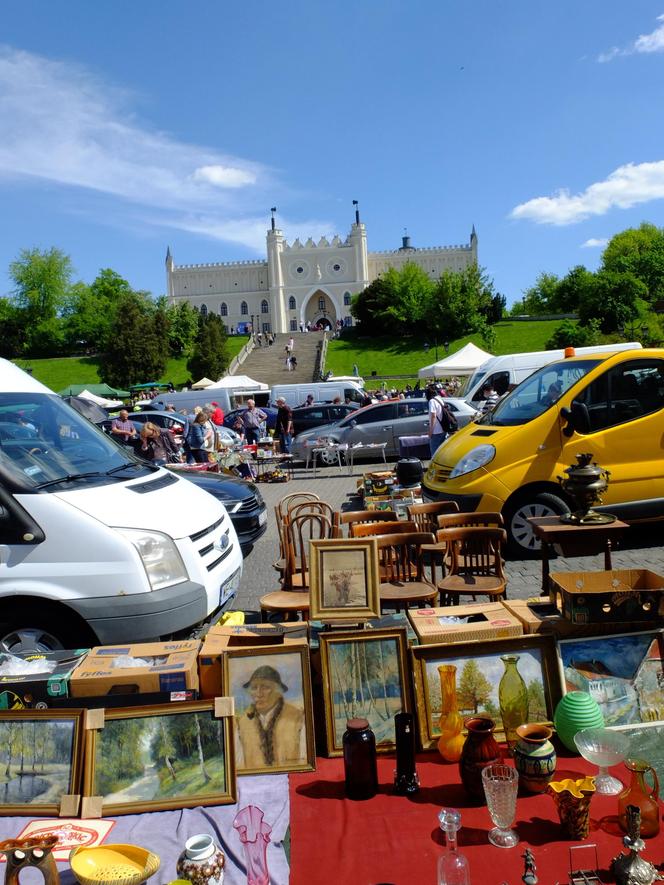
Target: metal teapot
pixel 585 482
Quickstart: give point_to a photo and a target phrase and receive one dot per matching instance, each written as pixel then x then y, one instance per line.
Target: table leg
pixel 607 556
pixel 546 553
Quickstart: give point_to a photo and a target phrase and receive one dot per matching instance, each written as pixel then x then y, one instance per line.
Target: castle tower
pixel 275 248
pixel 358 239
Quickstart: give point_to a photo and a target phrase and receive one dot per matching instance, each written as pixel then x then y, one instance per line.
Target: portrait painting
pixel 273 725
pixel 40 759
pixel 156 758
pixel 365 676
pixel 623 673
pixel 477 669
pixel 344 579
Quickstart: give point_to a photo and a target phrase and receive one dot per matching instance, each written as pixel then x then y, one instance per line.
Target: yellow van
pixel 510 460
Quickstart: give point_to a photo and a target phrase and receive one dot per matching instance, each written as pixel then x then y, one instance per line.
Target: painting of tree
pixel 474 688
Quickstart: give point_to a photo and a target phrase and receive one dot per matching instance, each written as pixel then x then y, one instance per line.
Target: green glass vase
pixel 513 699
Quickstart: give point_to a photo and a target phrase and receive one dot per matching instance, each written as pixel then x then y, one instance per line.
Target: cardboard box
pixel 386 621
pixel 143 699
pixel 464 623
pixel 173 667
pixel 40 690
pixel 619 596
pixel 540 615
pixel 220 638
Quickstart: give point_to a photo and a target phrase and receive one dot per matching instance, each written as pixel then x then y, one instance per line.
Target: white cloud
pixel 627 186
pixel 645 43
pixel 595 243
pixel 224 176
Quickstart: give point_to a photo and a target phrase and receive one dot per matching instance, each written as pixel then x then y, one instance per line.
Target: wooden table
pixel 574 539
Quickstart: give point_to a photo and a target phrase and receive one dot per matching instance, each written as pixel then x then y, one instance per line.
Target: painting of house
pixel 649 684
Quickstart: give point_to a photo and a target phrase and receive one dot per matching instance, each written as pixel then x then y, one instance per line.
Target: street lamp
pixel 252 324
pixel 426 347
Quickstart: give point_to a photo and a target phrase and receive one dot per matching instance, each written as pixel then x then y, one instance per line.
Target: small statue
pixel 630 869
pixel 530 870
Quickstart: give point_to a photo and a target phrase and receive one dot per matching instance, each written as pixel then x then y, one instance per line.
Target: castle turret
pixel 358 239
pixel 170 266
pixel 473 244
pixel 275 246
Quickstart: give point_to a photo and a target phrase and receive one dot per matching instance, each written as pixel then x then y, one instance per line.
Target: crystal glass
pixel 453 868
pixel 603 748
pixel 501 783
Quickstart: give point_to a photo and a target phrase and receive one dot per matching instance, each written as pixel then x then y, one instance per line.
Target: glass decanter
pixel 453 868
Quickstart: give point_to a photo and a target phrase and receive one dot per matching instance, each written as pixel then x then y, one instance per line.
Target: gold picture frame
pixel 44 749
pixel 273 725
pixel 344 579
pixel 478 674
pixel 366 674
pixel 160 757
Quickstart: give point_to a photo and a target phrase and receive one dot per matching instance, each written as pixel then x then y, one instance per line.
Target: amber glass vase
pixel 451 740
pixel 513 699
pixel 640 793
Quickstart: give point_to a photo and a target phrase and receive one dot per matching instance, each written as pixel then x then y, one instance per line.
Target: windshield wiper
pixel 70 477
pixel 124 466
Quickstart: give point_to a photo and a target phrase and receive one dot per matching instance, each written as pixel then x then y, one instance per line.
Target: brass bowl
pixel 113 864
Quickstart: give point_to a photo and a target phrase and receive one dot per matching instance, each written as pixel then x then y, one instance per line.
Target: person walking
pixel 284 425
pixel 252 418
pixel 441 420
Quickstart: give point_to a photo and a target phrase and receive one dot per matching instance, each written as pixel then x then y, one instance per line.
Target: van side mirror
pixel 577 417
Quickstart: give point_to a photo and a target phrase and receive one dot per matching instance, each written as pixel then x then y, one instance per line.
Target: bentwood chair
pixel 475 564
pixel 361 517
pixel 425 515
pixel 403 581
pixel 281 512
pixel 391 527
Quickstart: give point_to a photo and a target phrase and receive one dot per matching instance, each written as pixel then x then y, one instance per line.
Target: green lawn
pixel 60 373
pixel 405 356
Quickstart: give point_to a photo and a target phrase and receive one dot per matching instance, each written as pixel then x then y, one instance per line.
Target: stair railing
pixel 240 357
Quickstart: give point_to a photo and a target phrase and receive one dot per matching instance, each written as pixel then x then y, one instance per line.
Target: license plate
pixel 230 587
pixel 262 518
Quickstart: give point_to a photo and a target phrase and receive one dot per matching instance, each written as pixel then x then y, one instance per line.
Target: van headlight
pixel 477 457
pixel 159 555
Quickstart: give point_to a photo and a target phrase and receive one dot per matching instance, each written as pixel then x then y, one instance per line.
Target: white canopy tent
pixel 238 382
pixel 100 400
pixel 202 384
pixel 463 362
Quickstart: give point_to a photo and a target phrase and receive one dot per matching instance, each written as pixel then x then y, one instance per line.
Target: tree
pixel 574 288
pixel 182 328
pixel 91 311
pixel 639 251
pixel 395 302
pixel 613 299
pixel 540 298
pixel 573 334
pixel 474 687
pixel 138 348
pixel 210 355
pixel 460 302
pixel 12 323
pixel 41 282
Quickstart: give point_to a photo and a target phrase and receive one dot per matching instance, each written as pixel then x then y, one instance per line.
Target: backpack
pixel 446 417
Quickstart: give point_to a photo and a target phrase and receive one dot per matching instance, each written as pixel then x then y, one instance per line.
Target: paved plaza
pixel 640 548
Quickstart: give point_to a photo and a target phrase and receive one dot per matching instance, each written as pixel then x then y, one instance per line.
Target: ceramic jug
pixel 534 757
pixel 479 750
pixel 202 861
pixel 640 793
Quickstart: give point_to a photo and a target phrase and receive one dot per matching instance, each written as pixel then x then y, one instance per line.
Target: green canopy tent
pixel 98 389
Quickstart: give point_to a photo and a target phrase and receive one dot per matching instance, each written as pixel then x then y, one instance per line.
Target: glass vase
pixel 451 740
pixel 643 796
pixel 513 699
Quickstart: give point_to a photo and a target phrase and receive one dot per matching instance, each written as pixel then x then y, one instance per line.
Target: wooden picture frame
pixel 623 672
pixel 156 758
pixel 480 666
pixel 263 679
pixel 44 747
pixel 352 661
pixel 344 579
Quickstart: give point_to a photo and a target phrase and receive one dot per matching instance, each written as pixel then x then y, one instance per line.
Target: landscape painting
pixel 623 673
pixel 39 760
pixel 477 678
pixel 364 676
pixel 344 579
pixel 156 758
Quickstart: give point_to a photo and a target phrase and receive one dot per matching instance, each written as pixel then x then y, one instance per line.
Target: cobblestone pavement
pixel 640 548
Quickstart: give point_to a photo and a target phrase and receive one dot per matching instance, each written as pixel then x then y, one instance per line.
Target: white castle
pixel 301 283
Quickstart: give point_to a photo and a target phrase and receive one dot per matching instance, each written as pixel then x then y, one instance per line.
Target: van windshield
pixel 538 392
pixel 355 396
pixel 45 443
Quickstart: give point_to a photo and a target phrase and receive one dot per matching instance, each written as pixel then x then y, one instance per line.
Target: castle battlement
pixel 427 250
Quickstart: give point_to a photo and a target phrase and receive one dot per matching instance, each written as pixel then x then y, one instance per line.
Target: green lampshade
pixel 576 710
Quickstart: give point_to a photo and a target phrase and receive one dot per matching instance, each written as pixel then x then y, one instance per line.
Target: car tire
pixel 26 631
pixel 328 458
pixel 521 540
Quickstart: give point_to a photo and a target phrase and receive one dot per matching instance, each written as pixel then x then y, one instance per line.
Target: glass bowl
pixel 603 748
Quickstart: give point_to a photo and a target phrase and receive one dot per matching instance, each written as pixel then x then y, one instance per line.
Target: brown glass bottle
pixel 360 768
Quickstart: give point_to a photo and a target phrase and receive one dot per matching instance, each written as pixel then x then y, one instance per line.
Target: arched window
pixel 223 309
pixel 203 310
pixel 291 303
pixel 265 307
pixel 346 298
pixel 244 310
pixel 321 304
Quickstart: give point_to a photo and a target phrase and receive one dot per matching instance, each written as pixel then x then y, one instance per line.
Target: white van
pixel 228 400
pixel 96 545
pixel 504 372
pixel 322 392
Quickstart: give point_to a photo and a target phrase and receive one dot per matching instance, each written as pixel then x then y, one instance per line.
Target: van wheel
pixel 27 633
pixel 521 539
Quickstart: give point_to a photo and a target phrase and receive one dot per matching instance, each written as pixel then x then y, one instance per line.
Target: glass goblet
pixel 603 748
pixel 501 783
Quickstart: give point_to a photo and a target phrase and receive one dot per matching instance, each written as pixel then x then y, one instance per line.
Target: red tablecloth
pixel 393 839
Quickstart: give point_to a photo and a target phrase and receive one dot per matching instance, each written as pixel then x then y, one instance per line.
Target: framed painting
pixel 156 758
pixel 40 759
pixel 624 673
pixel 366 676
pixel 344 579
pixel 478 669
pixel 273 726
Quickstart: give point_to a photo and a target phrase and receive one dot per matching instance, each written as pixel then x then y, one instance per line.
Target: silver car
pixel 380 422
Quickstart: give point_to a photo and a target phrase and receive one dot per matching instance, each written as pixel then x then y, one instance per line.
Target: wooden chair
pixel 360 517
pixel 389 527
pixel 403 581
pixel 315 507
pixel 475 566
pixel 425 515
pixel 281 512
pixel 459 520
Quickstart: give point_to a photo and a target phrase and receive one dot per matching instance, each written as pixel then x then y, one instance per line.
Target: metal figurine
pixel 530 870
pixel 630 869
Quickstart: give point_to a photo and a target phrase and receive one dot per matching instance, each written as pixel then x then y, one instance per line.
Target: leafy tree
pixel 395 302
pixel 474 687
pixel 639 251
pixel 540 298
pixel 137 350
pixel 496 311
pixel 210 356
pixel 573 334
pixel 182 328
pixel 41 283
pixel 91 311
pixel 367 305
pixel 12 323
pixel 614 299
pixel 460 302
pixel 573 290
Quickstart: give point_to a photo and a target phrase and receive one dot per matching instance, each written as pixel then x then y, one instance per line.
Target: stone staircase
pixel 268 364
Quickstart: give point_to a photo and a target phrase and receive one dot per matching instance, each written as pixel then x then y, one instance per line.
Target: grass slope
pixel 404 356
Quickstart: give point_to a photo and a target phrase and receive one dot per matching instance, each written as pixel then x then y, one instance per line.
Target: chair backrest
pixel 474 550
pixel 315 507
pixel 292 499
pixel 400 555
pixel 425 514
pixel 458 520
pixel 391 527
pixel 299 531
pixel 356 517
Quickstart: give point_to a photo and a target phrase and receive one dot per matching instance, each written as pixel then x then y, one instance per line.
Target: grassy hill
pixel 404 356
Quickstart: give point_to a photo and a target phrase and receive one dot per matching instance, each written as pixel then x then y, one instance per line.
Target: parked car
pixel 177 424
pixel 307 417
pixel 231 417
pixel 242 500
pixel 381 422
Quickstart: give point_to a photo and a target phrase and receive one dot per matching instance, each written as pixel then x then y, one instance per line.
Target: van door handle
pixel 387 428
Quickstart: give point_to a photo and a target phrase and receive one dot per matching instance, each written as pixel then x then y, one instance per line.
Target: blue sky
pixel 130 126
